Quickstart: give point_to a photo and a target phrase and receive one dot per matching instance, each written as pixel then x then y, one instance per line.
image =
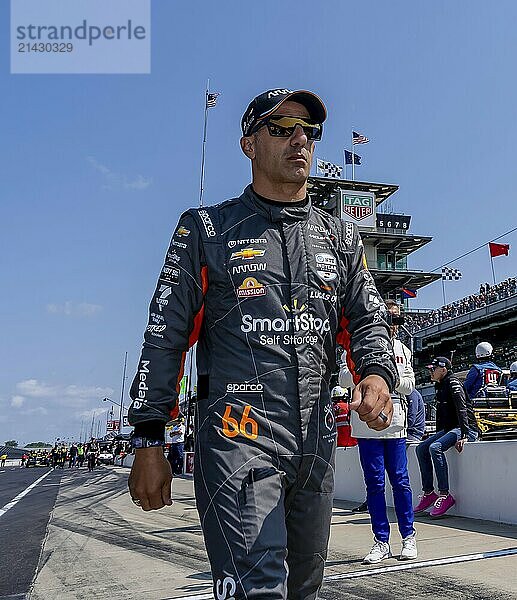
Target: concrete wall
pixel 483 479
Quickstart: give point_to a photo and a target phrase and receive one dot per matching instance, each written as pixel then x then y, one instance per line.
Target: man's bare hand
pixel 150 479
pixel 372 402
pixel 460 444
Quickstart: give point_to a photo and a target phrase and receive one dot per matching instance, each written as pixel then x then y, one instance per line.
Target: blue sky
pixel 97 169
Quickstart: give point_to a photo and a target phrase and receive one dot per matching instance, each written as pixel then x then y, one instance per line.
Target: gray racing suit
pixel 267 290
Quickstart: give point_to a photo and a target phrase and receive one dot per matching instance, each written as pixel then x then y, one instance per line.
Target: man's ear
pixel 248 146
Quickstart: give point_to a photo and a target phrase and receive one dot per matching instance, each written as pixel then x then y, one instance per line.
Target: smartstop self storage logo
pixel 80 36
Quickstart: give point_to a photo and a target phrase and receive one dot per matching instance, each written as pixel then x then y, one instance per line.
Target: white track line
pixel 426 563
pixel 405 567
pixel 15 501
pixel 196 597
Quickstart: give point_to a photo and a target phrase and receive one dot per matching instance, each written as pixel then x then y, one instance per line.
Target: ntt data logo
pixel 80 36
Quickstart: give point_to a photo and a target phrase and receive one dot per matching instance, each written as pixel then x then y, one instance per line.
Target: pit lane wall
pixel 482 479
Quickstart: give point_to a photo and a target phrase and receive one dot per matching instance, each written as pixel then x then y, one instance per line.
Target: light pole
pixel 121 406
pixel 122 395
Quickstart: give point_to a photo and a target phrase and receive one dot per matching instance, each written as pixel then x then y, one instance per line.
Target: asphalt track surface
pixel 112 550
pixel 23 527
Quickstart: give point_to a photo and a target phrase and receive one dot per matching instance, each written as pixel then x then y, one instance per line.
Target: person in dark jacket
pixel 267 284
pixel 455 424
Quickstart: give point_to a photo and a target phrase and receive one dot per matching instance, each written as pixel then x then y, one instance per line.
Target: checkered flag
pixel 451 274
pixel 328 169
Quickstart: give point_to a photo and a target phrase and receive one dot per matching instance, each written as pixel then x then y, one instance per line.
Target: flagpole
pixel 492 263
pixel 344 163
pixel 443 291
pixel 204 145
pixel 353 157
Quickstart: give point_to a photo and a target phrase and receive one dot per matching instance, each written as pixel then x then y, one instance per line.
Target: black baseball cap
pixel 267 102
pixel 440 361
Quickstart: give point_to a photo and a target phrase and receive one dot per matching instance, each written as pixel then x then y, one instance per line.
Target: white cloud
pixel 113 180
pixel 38 410
pixel 17 401
pixel 72 396
pixel 140 183
pixel 69 309
pixel 94 412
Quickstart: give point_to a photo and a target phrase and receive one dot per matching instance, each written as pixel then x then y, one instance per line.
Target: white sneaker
pixel 409 551
pixel 379 551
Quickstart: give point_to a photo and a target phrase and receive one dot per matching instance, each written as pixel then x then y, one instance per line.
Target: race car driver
pixel 267 284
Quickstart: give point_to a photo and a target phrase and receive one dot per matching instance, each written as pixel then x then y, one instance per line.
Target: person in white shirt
pixel 385 450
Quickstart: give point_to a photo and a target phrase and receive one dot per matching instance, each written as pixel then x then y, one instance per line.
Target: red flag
pixel 498 249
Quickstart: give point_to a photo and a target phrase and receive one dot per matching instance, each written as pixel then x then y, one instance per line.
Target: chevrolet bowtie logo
pixel 182 231
pixel 247 254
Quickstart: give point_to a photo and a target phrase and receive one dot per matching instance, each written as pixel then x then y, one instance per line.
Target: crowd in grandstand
pixel 488 294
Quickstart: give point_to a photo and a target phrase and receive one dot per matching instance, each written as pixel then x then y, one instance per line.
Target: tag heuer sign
pixel 358 207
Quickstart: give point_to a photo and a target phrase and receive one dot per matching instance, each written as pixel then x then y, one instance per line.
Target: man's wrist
pixel 138 442
pixel 381 372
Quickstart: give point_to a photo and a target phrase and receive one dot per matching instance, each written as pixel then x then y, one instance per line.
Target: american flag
pixel 211 99
pixel 359 138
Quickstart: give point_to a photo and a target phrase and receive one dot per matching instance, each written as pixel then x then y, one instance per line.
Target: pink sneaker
pixel 442 505
pixel 426 501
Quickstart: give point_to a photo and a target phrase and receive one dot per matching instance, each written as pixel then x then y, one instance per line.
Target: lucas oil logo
pixel 247 254
pixel 250 287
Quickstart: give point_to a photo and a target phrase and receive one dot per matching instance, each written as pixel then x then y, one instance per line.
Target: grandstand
pixel 454 330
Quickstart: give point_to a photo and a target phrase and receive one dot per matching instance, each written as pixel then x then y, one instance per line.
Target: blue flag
pixel 408 293
pixel 348 158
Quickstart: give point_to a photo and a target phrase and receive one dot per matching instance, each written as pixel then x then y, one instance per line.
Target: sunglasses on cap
pixel 280 126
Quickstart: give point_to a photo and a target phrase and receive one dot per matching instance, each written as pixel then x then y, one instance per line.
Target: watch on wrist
pixel 144 442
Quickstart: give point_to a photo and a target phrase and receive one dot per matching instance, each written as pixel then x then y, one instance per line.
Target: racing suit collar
pixel 275 213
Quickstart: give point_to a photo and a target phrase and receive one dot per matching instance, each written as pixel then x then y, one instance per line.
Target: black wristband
pixel 154 430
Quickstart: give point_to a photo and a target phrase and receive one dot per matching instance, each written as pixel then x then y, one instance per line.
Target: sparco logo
pixel 142 385
pixel 207 222
pixel 225 589
pixel 244 388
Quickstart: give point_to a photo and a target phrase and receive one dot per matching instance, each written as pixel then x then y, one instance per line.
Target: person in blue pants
pixel 385 451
